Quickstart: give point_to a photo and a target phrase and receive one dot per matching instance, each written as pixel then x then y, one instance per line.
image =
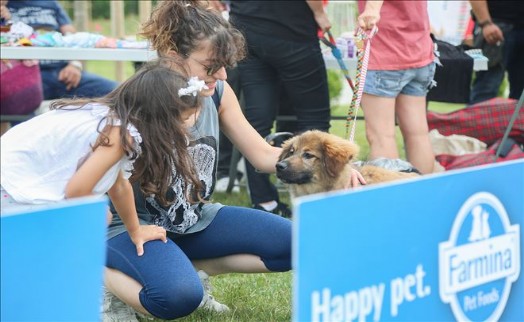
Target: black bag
pixel 454 76
pixel 494 53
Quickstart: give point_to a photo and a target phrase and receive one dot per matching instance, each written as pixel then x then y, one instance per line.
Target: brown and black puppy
pixel 316 161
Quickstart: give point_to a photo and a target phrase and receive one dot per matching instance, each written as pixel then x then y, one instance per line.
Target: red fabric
pixel 20 88
pixel 486 121
pixel 468 33
pixel 450 162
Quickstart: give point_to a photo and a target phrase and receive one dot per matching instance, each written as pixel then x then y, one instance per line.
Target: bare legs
pixel 240 263
pixel 410 111
pixel 412 119
pixel 125 288
pixel 380 126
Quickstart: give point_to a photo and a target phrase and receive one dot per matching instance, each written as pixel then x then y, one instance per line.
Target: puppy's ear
pixel 286 149
pixel 337 153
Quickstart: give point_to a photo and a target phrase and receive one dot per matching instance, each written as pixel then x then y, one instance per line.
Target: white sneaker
pixel 114 310
pixel 208 301
pixel 222 183
pixel 144 317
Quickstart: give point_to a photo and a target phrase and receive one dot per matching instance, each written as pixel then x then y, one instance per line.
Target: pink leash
pixel 363 42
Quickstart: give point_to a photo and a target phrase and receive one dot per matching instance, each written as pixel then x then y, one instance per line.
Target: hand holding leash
pixel 369 18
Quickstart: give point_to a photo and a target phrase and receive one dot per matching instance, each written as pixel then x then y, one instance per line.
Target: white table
pixel 61 53
pixel 480 62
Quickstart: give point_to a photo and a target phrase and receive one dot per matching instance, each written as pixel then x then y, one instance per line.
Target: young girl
pixel 92 146
pixel 214 238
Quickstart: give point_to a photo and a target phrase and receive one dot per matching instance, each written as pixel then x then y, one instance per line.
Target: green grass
pixel 108 68
pixel 251 297
pixel 260 297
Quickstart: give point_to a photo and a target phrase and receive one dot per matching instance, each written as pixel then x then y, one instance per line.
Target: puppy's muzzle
pixel 282 167
pixel 287 174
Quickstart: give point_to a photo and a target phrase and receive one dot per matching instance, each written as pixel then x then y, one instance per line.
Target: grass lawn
pixel 260 297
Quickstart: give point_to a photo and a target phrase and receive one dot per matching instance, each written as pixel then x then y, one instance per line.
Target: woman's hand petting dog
pixel 355 180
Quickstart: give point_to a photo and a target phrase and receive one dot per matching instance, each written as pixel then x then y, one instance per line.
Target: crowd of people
pixel 153 142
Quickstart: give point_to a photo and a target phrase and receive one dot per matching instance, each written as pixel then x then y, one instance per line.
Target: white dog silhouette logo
pixel 480 261
pixel 480 229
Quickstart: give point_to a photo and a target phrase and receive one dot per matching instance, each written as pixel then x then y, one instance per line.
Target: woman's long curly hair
pixel 149 100
pixel 182 25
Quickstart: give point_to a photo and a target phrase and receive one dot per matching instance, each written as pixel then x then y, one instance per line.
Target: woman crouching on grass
pixel 204 238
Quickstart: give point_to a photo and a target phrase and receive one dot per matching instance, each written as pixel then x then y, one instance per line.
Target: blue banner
pixel 441 248
pixel 53 261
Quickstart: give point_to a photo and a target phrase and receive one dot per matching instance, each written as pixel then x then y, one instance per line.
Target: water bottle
pixel 342 46
pixel 351 48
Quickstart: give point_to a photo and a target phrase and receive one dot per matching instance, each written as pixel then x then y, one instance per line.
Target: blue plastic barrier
pixel 52 262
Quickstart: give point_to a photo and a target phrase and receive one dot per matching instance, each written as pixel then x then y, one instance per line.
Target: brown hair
pixel 181 25
pixel 149 100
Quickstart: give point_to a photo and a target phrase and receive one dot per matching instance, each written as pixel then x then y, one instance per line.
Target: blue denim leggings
pixel 91 85
pixel 171 286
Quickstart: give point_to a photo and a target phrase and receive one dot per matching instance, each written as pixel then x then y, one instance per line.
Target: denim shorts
pixel 390 83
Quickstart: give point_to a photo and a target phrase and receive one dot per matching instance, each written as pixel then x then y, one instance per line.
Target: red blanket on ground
pixel 486 121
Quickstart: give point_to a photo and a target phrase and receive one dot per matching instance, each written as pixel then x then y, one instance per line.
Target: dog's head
pixel 314 157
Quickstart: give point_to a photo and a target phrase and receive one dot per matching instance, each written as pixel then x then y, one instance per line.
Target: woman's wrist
pixel 485 23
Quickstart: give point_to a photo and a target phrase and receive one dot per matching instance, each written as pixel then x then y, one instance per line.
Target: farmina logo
pixel 480 261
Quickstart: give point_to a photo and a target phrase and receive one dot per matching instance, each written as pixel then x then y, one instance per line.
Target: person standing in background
pixel 283 53
pixel 500 24
pixel 400 72
pixel 60 79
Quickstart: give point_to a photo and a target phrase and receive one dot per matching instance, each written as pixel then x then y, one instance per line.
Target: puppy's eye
pixel 307 155
pixel 286 153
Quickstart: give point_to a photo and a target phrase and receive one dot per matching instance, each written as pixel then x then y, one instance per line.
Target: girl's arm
pixel 93 169
pixel 121 194
pixel 233 123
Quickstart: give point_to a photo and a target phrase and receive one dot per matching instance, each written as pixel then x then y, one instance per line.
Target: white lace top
pixel 39 156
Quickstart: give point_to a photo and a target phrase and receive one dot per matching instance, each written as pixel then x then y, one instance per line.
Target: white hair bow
pixel 194 85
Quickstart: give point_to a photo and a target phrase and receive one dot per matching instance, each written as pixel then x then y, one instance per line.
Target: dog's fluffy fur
pixel 316 162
